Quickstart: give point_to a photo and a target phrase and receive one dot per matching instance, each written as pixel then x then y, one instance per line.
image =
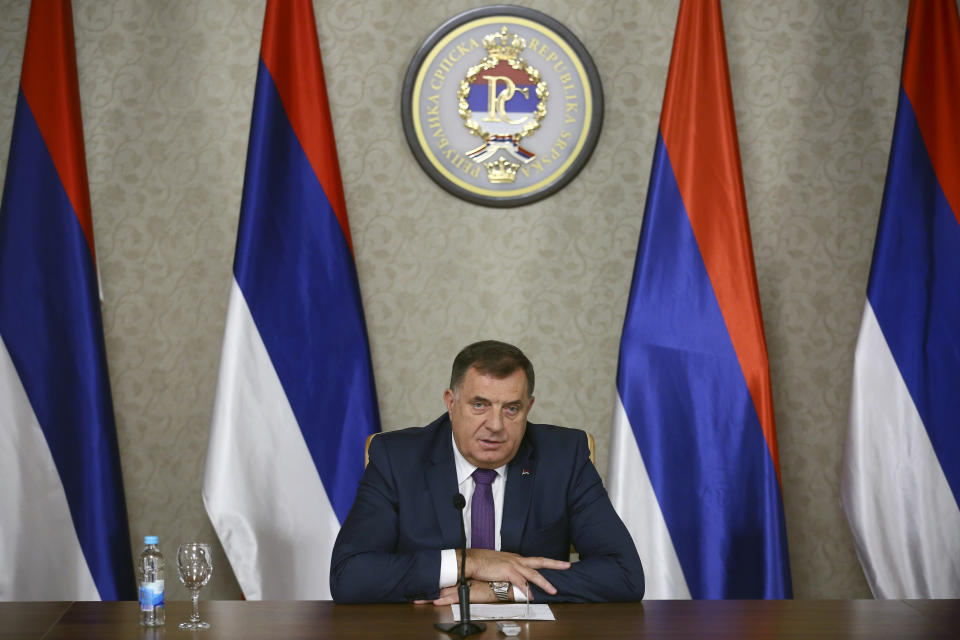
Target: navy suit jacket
pixel 388 549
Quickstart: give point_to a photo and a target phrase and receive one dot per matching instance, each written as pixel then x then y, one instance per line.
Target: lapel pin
pixel 525 472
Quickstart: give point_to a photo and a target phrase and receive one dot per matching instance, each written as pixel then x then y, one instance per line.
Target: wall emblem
pixel 502 106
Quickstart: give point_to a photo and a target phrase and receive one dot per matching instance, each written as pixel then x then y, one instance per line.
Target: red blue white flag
pixel 901 475
pixel 63 520
pixel 295 399
pixel 694 470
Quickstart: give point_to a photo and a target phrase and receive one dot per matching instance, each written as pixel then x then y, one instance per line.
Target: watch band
pixel 501 590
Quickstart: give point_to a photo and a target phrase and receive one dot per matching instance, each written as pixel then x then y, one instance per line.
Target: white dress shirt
pixel 449 571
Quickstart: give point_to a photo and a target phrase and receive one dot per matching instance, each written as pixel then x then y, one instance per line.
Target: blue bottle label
pixel 151 595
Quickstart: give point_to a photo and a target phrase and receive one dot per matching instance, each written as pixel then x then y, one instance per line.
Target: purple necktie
pixel 481 510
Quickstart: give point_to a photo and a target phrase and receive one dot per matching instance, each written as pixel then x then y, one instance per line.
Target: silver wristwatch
pixel 501 590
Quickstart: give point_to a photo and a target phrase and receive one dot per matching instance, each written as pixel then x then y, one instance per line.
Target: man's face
pixel 489 416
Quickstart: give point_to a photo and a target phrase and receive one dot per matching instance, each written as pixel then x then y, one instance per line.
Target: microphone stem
pixel 464 593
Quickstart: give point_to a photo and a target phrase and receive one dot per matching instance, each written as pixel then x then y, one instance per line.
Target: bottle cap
pixel 151 540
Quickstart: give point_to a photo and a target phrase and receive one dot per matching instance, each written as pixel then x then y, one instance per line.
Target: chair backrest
pixel 366 449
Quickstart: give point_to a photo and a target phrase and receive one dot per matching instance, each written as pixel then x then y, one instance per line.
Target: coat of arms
pixel 502 105
pixel 502 100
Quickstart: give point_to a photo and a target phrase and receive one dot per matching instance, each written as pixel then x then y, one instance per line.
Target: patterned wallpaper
pixel 167 89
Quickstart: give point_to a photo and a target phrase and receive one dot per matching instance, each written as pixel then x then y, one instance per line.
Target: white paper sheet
pixel 505 612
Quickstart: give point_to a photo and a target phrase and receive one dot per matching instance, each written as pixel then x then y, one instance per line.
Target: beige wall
pixel 167 88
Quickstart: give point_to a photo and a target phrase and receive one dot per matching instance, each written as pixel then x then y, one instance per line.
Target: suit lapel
pixel 441 479
pixel 519 492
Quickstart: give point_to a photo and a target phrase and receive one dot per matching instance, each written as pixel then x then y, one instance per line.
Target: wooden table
pixel 741 619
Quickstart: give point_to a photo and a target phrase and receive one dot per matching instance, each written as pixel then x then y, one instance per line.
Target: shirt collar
pixel 464 468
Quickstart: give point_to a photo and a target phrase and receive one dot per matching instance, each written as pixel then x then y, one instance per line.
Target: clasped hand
pixel 485 565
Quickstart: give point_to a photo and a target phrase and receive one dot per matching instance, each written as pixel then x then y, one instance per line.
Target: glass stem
pixel 195 597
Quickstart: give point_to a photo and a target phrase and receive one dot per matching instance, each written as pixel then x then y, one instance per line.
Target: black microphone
pixel 463 628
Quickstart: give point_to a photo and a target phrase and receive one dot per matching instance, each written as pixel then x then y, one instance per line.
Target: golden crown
pixel 504 45
pixel 502 170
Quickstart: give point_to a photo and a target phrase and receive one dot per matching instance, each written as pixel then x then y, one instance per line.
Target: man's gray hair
pixel 493 358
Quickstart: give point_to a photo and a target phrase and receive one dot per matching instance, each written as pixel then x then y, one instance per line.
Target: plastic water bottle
pixel 150 570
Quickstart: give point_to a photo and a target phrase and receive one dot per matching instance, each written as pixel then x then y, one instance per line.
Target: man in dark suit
pixel 541 493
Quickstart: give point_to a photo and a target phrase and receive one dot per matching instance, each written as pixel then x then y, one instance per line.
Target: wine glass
pixel 196 565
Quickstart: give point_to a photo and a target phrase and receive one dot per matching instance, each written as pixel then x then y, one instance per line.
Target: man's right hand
pixel 492 566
